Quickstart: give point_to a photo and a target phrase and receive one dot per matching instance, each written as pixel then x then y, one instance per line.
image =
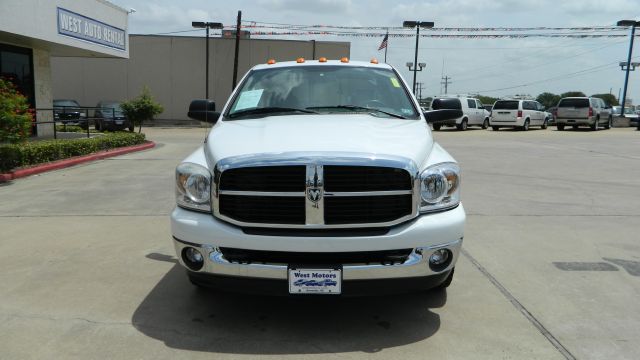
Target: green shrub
pixel 20 155
pixel 141 108
pixel 15 115
pixel 73 129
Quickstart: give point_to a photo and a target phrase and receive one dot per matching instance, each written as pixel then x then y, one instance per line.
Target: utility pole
pixel 446 80
pixel 419 86
pixel 633 25
pixel 235 59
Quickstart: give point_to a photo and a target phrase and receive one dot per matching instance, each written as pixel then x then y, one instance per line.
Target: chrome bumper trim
pixel 416 264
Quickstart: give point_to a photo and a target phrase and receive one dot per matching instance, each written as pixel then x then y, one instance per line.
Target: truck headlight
pixel 193 187
pixel 440 187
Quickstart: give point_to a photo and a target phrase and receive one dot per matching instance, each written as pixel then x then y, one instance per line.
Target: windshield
pixel 506 105
pixel 107 106
pixel 65 103
pixel 322 89
pixel 575 103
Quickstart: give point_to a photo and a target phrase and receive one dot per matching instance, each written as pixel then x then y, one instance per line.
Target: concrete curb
pixel 61 164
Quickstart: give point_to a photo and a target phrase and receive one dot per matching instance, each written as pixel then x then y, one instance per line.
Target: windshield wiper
pixel 269 110
pixel 356 107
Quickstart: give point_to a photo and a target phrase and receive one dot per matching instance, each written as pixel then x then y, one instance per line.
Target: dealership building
pixel 173 67
pixel 34 31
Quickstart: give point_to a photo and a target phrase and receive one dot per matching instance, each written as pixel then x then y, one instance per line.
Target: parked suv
pixel 473 112
pixel 69 112
pixel 109 116
pixel 298 182
pixel 583 111
pixel 520 114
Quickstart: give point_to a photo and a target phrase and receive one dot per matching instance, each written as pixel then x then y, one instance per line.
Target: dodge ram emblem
pixel 314 194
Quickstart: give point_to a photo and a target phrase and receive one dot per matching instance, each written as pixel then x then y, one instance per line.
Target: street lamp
pixel 206 25
pixel 417 25
pixel 633 25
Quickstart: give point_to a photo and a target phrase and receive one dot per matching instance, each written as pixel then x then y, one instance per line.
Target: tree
pixel 573 94
pixel 487 100
pixel 608 98
pixel 15 115
pixel 548 99
pixel 141 108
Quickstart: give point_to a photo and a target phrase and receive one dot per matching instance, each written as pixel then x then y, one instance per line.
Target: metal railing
pixel 83 119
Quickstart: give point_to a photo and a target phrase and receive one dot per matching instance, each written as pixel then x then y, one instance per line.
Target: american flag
pixel 383 44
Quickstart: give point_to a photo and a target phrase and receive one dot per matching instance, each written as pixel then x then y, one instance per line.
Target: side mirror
pixel 203 110
pixel 444 114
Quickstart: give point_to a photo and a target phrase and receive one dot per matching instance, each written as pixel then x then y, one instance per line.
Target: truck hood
pixel 326 133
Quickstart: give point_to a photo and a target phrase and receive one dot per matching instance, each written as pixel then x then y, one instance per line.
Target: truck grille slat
pixel 309 258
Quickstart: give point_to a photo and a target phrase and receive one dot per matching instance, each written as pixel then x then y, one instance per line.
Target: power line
pixel 542 64
pixel 559 77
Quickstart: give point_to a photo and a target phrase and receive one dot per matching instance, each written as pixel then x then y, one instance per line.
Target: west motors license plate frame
pixel 314 280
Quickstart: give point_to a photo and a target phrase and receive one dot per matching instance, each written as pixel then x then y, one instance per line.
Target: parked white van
pixel 520 114
pixel 473 112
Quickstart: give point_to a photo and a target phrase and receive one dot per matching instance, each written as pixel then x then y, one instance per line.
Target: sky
pixel 495 67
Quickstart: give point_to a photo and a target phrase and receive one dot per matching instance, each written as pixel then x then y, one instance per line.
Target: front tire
pixel 485 124
pixel 463 125
pixel 495 128
pixel 436 127
pixel 560 127
pixel 609 124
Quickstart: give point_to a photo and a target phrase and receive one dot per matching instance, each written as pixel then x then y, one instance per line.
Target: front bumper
pixel 423 235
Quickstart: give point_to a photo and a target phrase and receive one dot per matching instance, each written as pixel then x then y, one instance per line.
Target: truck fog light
pixel 192 258
pixel 440 259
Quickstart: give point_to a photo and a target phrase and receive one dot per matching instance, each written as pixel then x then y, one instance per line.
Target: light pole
pixel 417 25
pixel 206 25
pixel 633 25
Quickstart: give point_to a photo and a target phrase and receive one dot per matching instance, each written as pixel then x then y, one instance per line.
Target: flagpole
pixel 386 47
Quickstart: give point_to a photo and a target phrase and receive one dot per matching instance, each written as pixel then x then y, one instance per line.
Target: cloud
pixel 313 7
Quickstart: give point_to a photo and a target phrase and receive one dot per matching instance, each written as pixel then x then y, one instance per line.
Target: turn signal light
pixel 344 59
pixel 300 60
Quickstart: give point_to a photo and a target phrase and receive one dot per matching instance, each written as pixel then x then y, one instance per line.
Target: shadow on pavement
pixel 185 317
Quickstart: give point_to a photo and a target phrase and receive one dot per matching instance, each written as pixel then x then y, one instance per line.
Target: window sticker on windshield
pixel 407 111
pixel 394 82
pixel 249 99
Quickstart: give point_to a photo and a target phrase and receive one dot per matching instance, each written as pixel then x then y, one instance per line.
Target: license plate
pixel 119 122
pixel 315 281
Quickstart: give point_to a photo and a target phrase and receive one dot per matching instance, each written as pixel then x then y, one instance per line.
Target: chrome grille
pixel 316 193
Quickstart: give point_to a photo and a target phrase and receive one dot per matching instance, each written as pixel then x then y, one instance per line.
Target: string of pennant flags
pixel 441 36
pixel 279 29
pixel 255 24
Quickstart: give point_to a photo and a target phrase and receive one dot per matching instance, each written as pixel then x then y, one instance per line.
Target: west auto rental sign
pixel 84 28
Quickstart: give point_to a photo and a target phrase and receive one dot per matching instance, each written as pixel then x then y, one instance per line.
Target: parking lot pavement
pixel 550 270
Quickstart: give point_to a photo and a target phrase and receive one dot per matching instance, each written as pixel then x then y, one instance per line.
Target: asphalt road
pixel 550 270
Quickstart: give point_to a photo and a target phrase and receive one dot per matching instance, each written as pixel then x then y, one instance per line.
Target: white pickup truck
pixel 319 177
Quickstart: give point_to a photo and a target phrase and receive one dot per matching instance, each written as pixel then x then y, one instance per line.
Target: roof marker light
pixel 374 61
pixel 344 59
pixel 322 59
pixel 300 60
pixel 271 62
